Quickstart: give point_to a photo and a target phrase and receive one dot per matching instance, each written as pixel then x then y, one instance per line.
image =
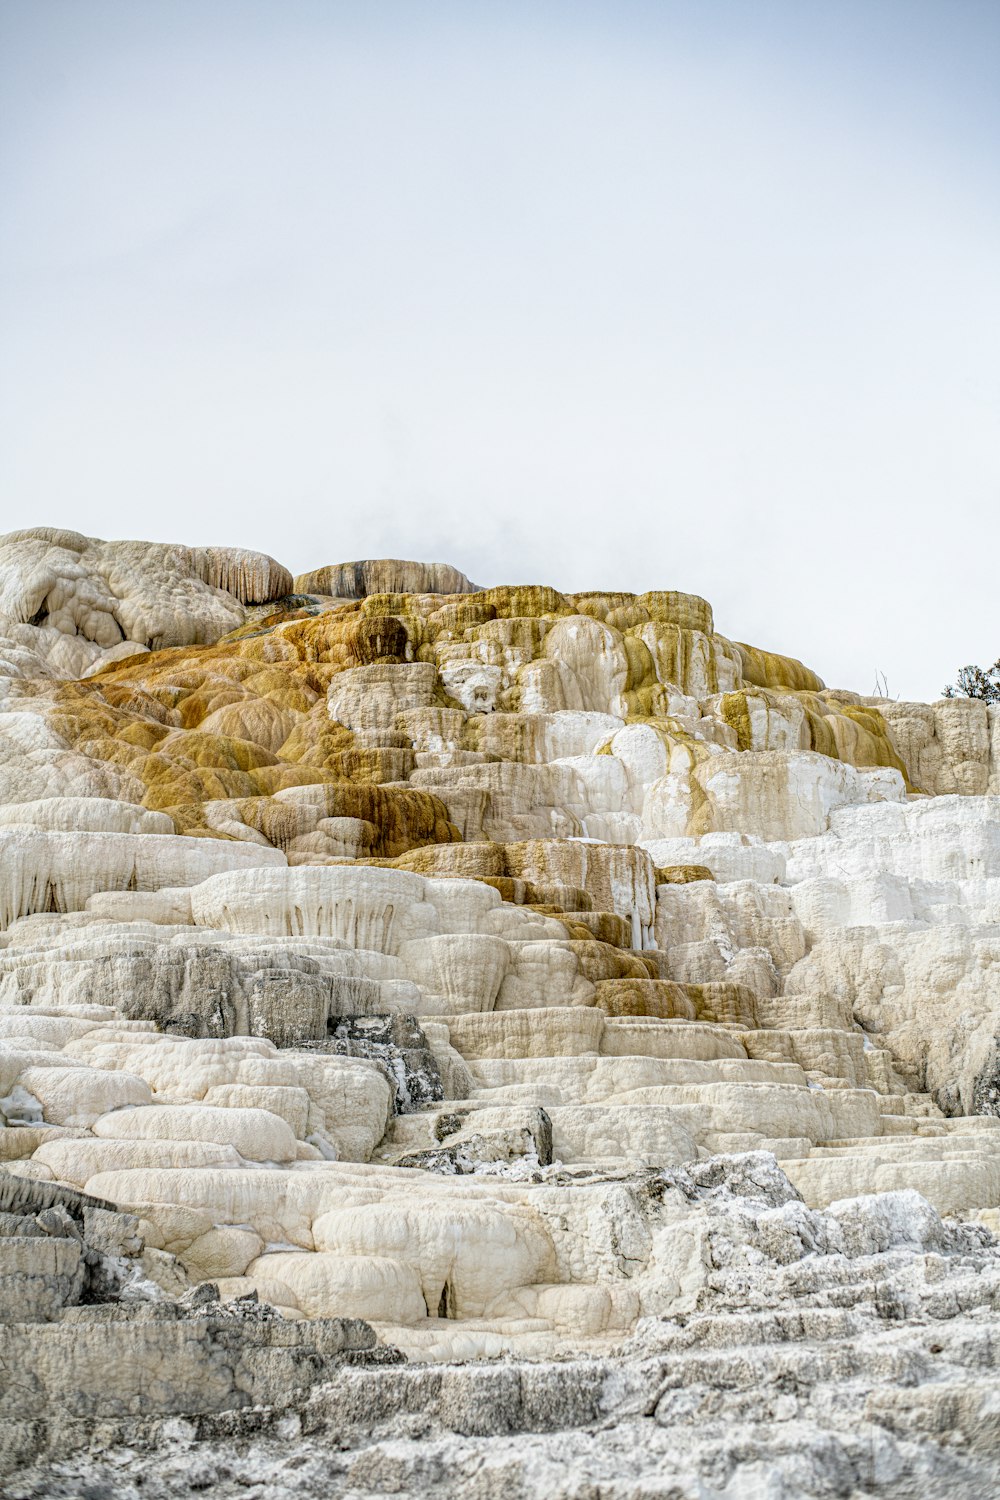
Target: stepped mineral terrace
pixel 398 976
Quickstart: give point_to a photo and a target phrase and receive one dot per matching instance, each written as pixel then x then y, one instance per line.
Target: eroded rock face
pixel 851 1346
pixel 525 976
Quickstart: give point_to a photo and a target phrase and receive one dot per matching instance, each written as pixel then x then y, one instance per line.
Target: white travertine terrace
pixel 402 952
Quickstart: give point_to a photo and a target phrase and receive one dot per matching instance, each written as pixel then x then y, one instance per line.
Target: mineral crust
pixel 477 1042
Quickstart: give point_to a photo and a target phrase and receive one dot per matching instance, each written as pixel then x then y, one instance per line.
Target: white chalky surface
pixel 516 1178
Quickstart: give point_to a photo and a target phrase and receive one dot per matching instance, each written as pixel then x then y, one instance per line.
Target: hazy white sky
pixel 697 294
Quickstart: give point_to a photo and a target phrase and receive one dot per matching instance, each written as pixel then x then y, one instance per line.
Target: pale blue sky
pixel 697 295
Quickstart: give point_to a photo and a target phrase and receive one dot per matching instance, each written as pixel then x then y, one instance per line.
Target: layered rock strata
pixel 518 975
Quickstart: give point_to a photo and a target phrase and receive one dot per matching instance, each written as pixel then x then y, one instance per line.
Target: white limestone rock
pixel 612 1049
pixel 64 585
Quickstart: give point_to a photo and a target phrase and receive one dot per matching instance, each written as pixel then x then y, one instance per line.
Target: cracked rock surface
pixel 483 1042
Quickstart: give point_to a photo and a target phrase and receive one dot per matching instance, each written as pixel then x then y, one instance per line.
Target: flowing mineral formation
pixel 477 1042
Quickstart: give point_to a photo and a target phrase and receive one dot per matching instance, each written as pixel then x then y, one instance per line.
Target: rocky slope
pixel 417 976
